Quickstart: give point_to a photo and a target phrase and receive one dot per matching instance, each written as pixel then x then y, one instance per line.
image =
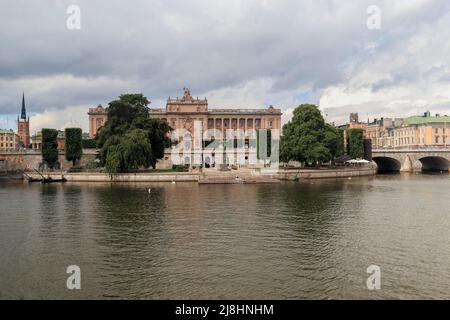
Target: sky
pixel 238 54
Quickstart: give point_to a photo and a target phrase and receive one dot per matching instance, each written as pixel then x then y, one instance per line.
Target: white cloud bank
pixel 236 53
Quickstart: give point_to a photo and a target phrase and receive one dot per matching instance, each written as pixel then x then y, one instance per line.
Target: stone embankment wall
pixel 303 174
pixel 30 159
pixel 123 177
pixel 216 177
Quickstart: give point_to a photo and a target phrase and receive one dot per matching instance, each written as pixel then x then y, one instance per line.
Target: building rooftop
pixel 6 131
pixel 98 110
pixel 269 110
pixel 415 120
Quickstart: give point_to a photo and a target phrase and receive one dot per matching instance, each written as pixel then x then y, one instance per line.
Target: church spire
pixel 23 114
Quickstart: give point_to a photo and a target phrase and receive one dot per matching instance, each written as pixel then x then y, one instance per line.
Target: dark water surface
pixel 189 241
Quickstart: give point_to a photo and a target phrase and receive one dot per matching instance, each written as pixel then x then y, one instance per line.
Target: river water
pixel 311 240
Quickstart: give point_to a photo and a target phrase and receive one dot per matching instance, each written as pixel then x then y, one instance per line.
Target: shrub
pixel 74 144
pixel 50 147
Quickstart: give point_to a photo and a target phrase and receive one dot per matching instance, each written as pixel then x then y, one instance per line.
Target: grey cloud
pixel 158 47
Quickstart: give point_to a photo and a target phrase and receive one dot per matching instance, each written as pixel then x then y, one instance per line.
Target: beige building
pixel 36 141
pixel 379 131
pixel 423 131
pixel 97 118
pixel 9 140
pixel 181 113
pixel 409 133
pixel 185 112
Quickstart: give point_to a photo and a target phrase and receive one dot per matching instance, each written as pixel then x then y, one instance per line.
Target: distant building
pixel 23 126
pixel 97 118
pixel 376 131
pixel 9 140
pixel 412 132
pixel 423 131
pixel 36 141
pixel 181 113
pixel 354 122
pixel 61 140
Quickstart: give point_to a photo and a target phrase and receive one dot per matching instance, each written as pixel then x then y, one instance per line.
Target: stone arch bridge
pixel 412 160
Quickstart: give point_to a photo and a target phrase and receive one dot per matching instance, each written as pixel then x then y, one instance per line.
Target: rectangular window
pixel 234 123
pixel 219 124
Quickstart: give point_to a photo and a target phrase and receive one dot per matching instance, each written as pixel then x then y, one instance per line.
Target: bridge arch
pixel 387 164
pixel 434 163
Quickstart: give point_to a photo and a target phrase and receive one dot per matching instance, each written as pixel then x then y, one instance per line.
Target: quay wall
pixel 31 159
pixel 216 177
pixel 303 174
pixel 123 177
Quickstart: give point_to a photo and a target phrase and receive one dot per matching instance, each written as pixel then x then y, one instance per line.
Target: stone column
pixel 91 132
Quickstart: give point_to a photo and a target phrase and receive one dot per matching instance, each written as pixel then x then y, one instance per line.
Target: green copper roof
pixel 6 131
pixel 425 120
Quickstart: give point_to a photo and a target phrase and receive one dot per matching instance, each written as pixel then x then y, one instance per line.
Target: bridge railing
pixel 437 148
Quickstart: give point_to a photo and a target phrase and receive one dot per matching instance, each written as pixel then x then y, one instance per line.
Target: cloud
pixel 69 117
pixel 236 53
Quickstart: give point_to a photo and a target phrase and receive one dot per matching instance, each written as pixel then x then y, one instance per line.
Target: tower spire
pixel 23 114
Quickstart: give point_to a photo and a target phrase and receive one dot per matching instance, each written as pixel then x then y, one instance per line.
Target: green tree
pixel 113 161
pixel 50 147
pixel 135 150
pixel 307 138
pixel 113 140
pixel 334 140
pixel 74 144
pixel 127 122
pixel 285 155
pixel 319 153
pixel 157 135
pixel 355 146
pixel 123 113
pixel 89 144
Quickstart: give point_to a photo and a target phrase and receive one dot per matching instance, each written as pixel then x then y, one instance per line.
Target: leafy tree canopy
pixel 355 143
pixel 307 138
pixel 129 139
pixel 50 147
pixel 74 144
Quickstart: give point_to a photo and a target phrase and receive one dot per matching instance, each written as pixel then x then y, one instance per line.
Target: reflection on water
pixel 287 241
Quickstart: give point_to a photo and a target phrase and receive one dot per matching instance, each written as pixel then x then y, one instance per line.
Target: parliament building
pixel 181 113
